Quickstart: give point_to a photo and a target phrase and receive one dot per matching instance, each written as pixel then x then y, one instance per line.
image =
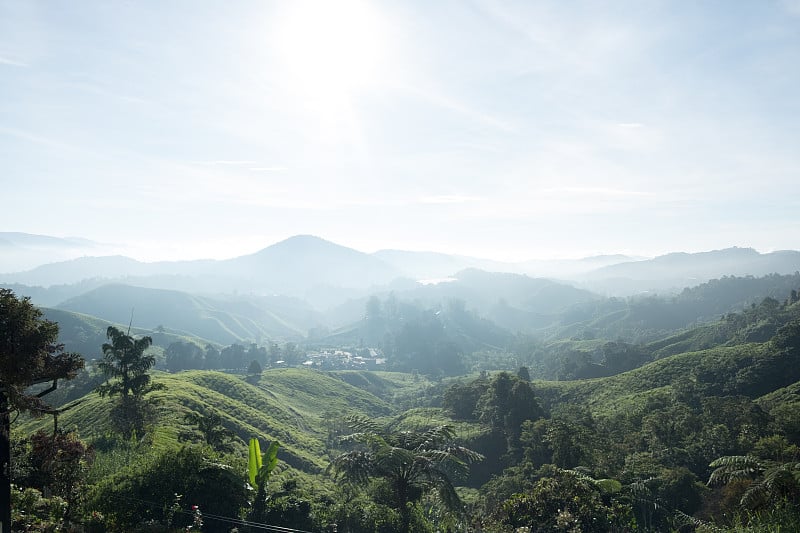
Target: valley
pixel 626 403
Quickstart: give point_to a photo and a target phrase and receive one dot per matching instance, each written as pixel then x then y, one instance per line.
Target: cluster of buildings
pixel 334 359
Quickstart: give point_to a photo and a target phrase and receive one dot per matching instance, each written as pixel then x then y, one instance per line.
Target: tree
pixel 257 353
pixel 461 400
pixel 232 357
pixel 57 465
pixel 124 360
pixel 255 368
pixel 215 434
pixel 176 357
pixel 506 404
pixel 291 354
pixel 374 321
pixel 275 353
pixel 565 500
pixel 773 481
pixel 212 358
pixel 183 356
pixel 29 355
pixel 412 463
pixel 495 402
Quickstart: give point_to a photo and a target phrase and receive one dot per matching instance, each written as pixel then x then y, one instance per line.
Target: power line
pixel 220 518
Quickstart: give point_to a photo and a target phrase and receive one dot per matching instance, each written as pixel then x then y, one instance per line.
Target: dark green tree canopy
pixel 127 364
pixel 124 361
pixel 211 426
pixel 255 368
pixel 411 462
pixel 29 352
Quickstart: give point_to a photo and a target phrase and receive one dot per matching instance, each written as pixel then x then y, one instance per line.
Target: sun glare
pixel 330 50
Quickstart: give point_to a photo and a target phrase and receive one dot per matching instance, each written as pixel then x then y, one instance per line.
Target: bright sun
pixel 330 50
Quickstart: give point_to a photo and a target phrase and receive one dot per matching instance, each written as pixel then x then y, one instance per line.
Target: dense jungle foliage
pixel 621 418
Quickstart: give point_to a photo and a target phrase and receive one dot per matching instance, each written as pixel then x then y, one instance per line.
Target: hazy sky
pixel 513 130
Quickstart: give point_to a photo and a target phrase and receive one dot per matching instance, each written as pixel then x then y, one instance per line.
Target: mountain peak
pixel 305 245
pixel 303 241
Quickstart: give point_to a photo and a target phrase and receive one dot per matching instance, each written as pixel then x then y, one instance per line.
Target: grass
pixel 289 405
pixel 622 391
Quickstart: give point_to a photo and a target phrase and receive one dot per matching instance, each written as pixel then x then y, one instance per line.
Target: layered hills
pixel 327 274
pixel 641 392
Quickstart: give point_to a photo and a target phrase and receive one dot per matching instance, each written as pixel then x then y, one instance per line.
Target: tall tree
pixel 29 355
pixel 127 364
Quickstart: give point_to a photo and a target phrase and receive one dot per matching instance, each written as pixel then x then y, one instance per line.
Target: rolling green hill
pixel 85 334
pixel 223 321
pixel 290 405
pixel 647 318
pixel 751 370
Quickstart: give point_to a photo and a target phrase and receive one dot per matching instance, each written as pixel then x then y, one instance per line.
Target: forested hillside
pixel 695 429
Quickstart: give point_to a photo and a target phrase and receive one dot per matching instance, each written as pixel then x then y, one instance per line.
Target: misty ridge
pixel 305 285
pixel 562 384
pixel 298 264
pixel 428 312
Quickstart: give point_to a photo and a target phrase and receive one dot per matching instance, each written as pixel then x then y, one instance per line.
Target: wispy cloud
pixel 12 63
pixel 448 199
pixel 595 191
pixel 269 169
pixel 100 87
pixel 570 42
pixel 36 139
pixel 227 162
pixel 426 91
pixel 248 164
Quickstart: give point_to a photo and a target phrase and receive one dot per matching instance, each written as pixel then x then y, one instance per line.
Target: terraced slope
pixel 751 370
pixel 289 405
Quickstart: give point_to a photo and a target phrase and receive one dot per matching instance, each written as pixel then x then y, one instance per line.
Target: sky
pixel 506 130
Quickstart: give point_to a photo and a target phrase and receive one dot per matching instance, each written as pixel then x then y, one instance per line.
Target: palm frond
pixel 394 461
pixel 354 467
pixel 734 467
pixel 362 424
pixel 371 440
pixel 685 519
pixel 435 436
pixel 736 460
pixel 448 495
pixel 755 496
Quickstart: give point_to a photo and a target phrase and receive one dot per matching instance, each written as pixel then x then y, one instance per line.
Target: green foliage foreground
pixel 695 441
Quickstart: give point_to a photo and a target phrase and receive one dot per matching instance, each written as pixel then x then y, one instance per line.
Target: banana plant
pixel 259 469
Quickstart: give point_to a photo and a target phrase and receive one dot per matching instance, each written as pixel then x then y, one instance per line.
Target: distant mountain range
pixel 22 251
pixel 327 274
pixel 288 267
pixel 293 265
pixel 307 284
pixel 673 272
